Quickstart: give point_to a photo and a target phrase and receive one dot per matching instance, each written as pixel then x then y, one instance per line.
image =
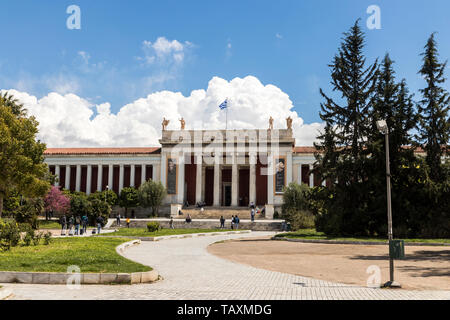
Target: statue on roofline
pixel 165 123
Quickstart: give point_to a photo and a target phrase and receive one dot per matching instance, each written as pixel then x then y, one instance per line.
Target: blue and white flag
pixel 224 105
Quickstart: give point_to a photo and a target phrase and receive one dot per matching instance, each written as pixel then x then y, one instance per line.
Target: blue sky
pixel 284 43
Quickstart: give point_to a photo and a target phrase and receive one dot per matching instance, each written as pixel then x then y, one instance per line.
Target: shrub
pixel 98 208
pixel 29 212
pixel 109 196
pixel 129 198
pixel 299 219
pixel 153 226
pixel 47 238
pixel 37 237
pixel 29 234
pixel 57 201
pixel 9 234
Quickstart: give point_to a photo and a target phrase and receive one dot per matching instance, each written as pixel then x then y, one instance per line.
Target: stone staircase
pixel 217 212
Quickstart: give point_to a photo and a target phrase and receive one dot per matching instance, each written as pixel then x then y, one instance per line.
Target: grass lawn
pixel 91 254
pixel 142 232
pixel 49 224
pixel 313 234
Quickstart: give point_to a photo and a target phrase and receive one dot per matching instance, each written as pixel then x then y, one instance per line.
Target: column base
pixel 174 209
pixel 269 211
pixel 391 284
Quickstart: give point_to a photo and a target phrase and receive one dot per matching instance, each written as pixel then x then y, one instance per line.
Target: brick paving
pixel 190 272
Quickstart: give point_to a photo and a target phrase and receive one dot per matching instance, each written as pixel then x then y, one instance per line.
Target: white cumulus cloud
pixel 71 121
pixel 164 51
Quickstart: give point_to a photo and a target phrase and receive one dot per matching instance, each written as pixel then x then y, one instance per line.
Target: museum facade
pixel 217 167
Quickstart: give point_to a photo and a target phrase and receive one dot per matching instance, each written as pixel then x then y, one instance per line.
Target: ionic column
pixel 99 177
pixel 311 176
pixel 143 173
pixel 132 175
pixel 110 176
pixel 216 201
pixel 67 186
pixel 288 168
pixel 89 179
pixel 252 182
pixel 78 179
pixel 57 174
pixel 198 179
pixel 121 176
pixel 234 183
pixel 181 179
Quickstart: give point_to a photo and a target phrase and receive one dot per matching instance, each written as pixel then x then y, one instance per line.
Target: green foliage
pixel 434 129
pixel 153 226
pixel 22 167
pixel 31 235
pixel 129 198
pixel 152 194
pixel 47 238
pixel 296 206
pixel 80 205
pixel 29 212
pixel 109 196
pixel 9 234
pixel 99 208
pixel 353 153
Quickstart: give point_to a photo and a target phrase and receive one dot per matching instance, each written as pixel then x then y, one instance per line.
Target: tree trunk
pixel 1 205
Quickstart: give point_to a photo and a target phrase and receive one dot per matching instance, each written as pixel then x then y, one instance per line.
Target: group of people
pixel 118 223
pixel 72 224
pixel 234 222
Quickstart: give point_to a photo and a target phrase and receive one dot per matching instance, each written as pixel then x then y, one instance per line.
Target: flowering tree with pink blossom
pixel 56 201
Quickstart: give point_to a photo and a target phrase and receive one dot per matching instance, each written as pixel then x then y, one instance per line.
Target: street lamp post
pixel 383 128
pixel 106 193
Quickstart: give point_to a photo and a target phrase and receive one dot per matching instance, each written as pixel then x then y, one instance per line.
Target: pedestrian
pixel 118 219
pixel 63 222
pixel 171 223
pixel 188 218
pixel 128 222
pixel 222 222
pixel 99 224
pixel 236 222
pixel 84 223
pixel 77 224
pixel 252 205
pixel 232 222
pixel 71 222
pixel 252 214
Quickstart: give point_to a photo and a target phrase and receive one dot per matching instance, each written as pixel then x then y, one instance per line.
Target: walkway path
pixel 190 272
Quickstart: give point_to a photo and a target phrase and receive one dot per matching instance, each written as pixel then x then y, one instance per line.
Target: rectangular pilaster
pixel 143 173
pixel 270 172
pixel 121 177
pixel 234 183
pixel 99 177
pixel 252 182
pixel 311 176
pixel 57 174
pixel 288 168
pixel 132 172
pixel 216 201
pixel 110 176
pixel 181 179
pixel 67 186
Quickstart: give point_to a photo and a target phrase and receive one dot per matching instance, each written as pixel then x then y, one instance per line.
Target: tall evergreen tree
pixel 346 120
pixel 434 129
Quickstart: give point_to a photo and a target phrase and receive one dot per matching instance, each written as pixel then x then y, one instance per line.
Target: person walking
pixel 222 222
pixel 232 222
pixel 236 222
pixel 71 222
pixel 77 224
pixel 118 219
pixel 128 222
pixel 171 223
pixel 84 223
pixel 252 214
pixel 99 224
pixel 63 222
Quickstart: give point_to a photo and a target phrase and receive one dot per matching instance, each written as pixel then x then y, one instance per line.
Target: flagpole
pixel 226 118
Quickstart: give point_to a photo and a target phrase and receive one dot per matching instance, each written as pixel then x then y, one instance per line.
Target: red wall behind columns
pixel 94 179
pixel 137 176
pixel 148 172
pixel 190 178
pixel 261 185
pixel 115 185
pixel 105 177
pixel 73 177
pixel 62 177
pixel 126 176
pixel 244 175
pixel 83 178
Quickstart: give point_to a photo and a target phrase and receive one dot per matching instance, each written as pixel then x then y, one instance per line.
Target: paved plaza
pixel 190 272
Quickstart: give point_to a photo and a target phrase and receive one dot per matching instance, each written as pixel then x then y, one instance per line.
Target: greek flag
pixel 223 105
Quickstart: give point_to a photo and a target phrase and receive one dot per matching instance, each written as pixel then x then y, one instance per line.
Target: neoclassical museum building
pixel 218 167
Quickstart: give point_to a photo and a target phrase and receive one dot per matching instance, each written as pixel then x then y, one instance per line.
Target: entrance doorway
pixel 226 194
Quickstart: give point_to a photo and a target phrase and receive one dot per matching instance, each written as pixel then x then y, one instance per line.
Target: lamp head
pixel 382 126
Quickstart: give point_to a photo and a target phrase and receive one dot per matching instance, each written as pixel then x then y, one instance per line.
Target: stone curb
pixel 84 278
pixel 358 242
pixel 5 293
pixel 182 236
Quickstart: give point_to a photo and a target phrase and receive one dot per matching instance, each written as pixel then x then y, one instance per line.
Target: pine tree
pixel 349 120
pixel 434 129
